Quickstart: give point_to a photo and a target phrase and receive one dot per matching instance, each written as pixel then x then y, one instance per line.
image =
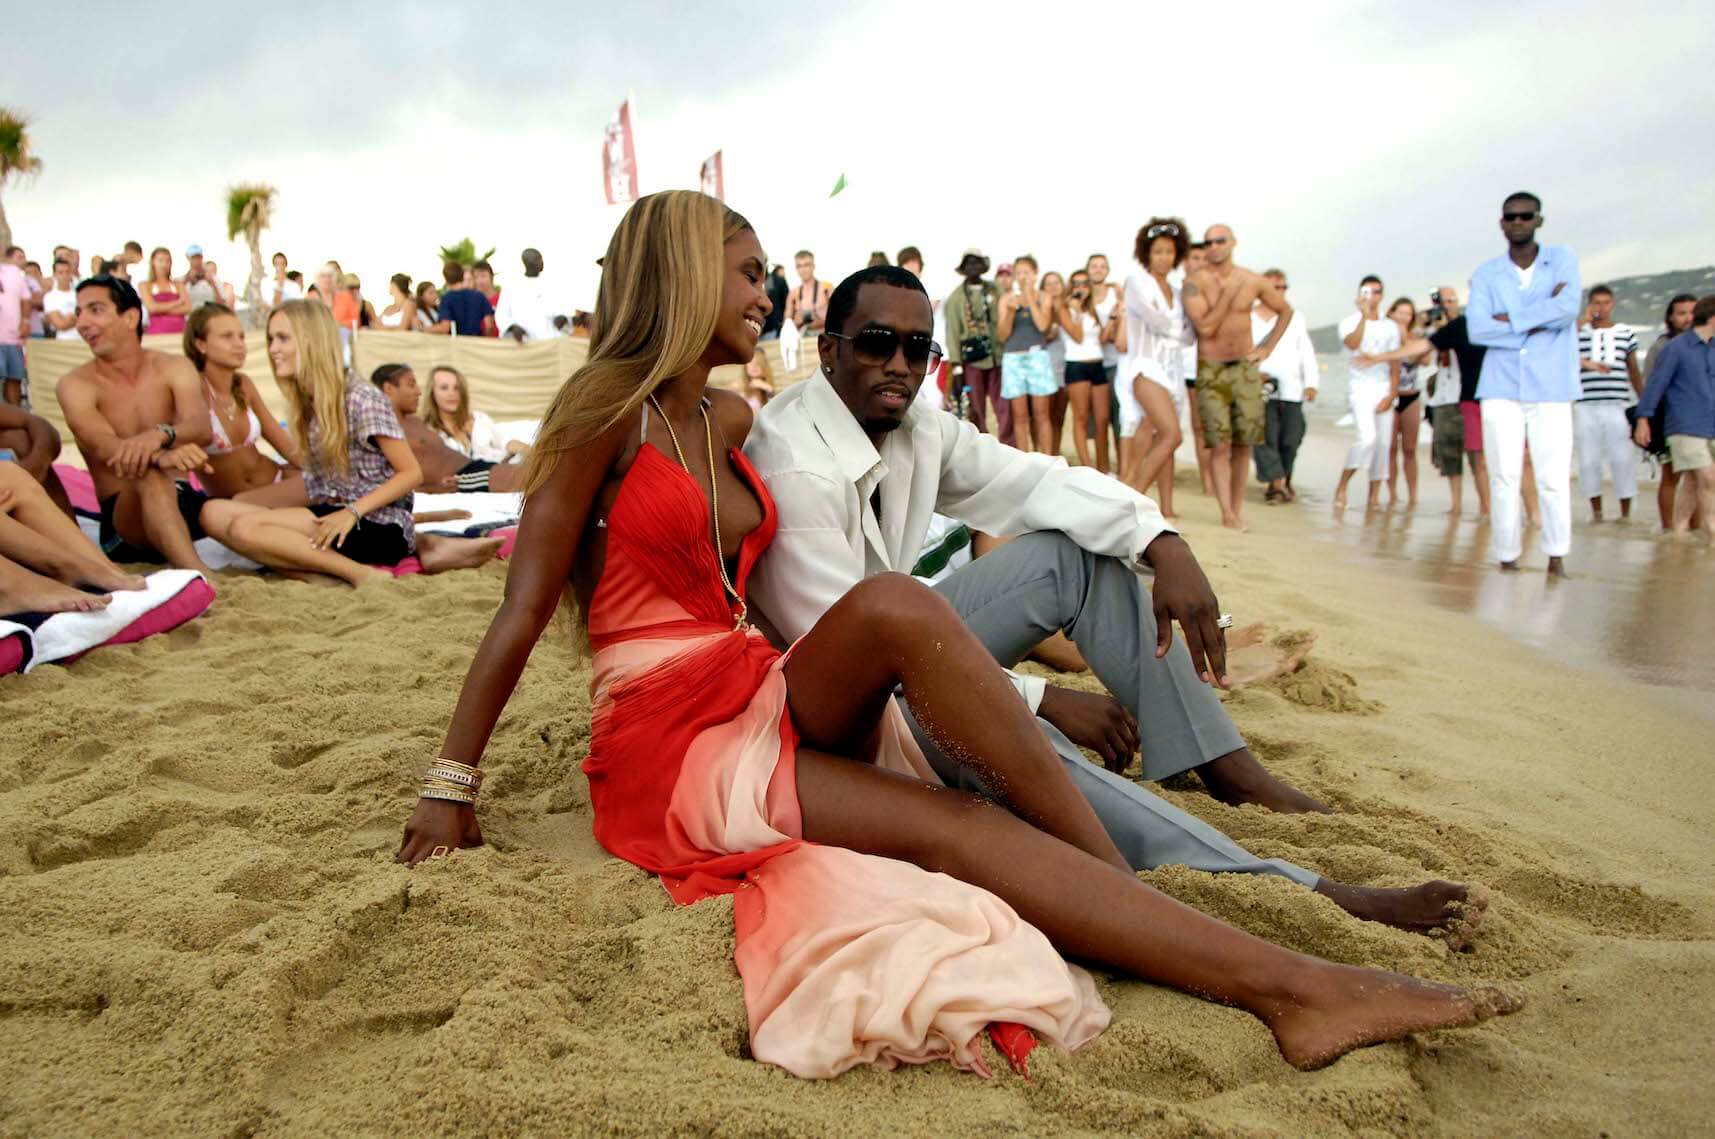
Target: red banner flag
pixel 619 158
pixel 713 182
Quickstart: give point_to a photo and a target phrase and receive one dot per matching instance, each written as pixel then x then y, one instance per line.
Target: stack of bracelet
pixel 448 779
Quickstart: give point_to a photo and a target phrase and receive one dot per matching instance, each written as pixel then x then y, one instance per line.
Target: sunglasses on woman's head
pixel 873 347
pixel 1166 227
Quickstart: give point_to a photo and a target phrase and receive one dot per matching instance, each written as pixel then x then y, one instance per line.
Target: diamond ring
pixel 1224 621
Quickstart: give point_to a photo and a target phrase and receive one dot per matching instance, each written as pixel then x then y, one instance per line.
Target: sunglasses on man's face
pixel 1522 215
pixel 1219 240
pixel 874 347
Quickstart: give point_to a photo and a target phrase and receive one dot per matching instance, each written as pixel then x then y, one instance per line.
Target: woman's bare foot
pixel 1343 1007
pixel 1237 778
pixel 439 553
pixel 25 592
pixel 1449 910
pixel 374 577
pixel 108 577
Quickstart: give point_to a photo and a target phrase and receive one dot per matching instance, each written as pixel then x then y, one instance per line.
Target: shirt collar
pixel 854 454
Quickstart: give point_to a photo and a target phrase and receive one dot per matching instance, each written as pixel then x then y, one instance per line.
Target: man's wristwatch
pixel 171 432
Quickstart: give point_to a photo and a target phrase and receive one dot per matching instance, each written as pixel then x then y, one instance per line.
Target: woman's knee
pixel 894 605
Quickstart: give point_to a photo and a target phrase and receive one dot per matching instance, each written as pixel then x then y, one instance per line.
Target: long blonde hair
pixel 430 412
pixel 655 315
pixel 317 393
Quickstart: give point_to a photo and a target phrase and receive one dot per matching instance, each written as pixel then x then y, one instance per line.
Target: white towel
pixel 485 507
pixel 67 634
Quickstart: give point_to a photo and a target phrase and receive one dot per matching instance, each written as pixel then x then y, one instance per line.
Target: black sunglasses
pixel 1523 215
pixel 873 347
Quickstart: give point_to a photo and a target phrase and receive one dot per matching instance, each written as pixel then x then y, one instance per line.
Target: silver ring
pixel 1224 621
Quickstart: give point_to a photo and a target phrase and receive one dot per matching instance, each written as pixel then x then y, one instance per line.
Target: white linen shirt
pixel 821 470
pixel 531 303
pixel 1292 361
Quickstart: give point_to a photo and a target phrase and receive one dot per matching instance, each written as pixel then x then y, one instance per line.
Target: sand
pixel 206 934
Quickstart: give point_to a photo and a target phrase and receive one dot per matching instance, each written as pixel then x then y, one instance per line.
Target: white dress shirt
pixel 1292 363
pixel 531 303
pixel 822 470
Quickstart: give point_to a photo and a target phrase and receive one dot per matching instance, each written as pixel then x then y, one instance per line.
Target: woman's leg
pixel 1103 408
pixel 1057 418
pixel 1406 443
pixel 1020 421
pixel 1091 907
pixel 280 539
pixel 25 591
pixel 1164 423
pixel 1042 423
pixel 289 491
pixel 1078 395
pixel 35 532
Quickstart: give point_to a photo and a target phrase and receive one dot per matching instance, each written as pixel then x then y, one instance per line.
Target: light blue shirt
pixel 1533 354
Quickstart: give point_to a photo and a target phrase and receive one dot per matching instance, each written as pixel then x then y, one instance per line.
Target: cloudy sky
pixel 1337 139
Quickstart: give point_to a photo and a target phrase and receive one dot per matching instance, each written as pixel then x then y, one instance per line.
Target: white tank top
pixel 1089 349
pixel 394 320
pixel 1110 354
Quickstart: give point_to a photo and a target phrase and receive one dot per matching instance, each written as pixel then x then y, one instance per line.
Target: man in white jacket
pixel 857 467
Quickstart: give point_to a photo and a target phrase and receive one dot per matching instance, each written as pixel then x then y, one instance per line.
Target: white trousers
pixel 1507 425
pixel 1604 440
pixel 1374 429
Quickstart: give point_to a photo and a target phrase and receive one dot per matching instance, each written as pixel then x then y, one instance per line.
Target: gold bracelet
pixel 449 785
pixel 449 794
pixel 454 764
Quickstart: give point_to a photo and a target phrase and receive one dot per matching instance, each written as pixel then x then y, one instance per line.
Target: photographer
pixel 971 346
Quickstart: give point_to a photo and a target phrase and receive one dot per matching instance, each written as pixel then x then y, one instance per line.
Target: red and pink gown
pixel 845 958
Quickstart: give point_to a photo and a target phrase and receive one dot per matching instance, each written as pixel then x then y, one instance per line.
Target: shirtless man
pixel 1218 301
pixel 807 307
pixel 140 420
pixel 444 469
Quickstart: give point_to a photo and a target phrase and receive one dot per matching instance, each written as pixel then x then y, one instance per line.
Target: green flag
pixel 838 186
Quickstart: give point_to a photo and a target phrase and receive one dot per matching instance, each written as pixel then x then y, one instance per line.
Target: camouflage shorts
pixel 1229 400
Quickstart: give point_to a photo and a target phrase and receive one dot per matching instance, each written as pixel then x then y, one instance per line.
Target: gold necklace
pixel 714 497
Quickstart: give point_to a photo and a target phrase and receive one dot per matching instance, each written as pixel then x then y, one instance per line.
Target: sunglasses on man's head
pixel 873 347
pixel 1521 215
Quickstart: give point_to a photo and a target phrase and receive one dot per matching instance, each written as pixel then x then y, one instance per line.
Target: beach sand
pixel 207 934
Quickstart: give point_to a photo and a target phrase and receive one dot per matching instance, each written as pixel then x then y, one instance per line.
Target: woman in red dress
pixel 881 918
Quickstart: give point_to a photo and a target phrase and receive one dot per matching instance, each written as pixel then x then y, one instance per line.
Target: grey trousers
pixel 1040 583
pixel 1283 420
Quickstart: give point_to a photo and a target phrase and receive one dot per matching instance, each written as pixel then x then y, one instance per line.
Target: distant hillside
pixel 1637 300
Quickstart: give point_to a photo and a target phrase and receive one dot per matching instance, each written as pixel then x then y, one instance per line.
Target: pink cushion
pixel 191 601
pixel 411 565
pixel 80 488
pixel 11 653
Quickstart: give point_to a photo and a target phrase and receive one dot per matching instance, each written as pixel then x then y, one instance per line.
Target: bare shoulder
pixel 733 414
pixel 79 379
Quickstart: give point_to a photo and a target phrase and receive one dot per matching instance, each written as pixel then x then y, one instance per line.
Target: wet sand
pixel 207 935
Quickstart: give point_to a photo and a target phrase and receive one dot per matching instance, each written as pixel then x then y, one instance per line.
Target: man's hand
pixel 1385 404
pixel 1309 395
pixel 134 456
pixel 183 459
pixel 1182 593
pixel 1555 291
pixel 1092 720
pixel 1596 366
pixel 1503 318
pixel 1640 434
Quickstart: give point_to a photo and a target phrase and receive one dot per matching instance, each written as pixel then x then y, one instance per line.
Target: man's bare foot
pixel 1058 652
pixel 1237 778
pixel 1453 512
pixel 1411 503
pixel 1339 502
pixel 1344 1007
pixel 1510 567
pixel 26 592
pixel 1557 568
pixel 1449 910
pixel 443 553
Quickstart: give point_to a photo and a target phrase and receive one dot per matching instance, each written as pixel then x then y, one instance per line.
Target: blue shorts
pixel 12 362
pixel 1027 373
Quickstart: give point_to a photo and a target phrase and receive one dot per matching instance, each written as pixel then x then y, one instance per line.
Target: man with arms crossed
pixel 857 466
pixel 1218 302
pixel 139 419
pixel 1524 310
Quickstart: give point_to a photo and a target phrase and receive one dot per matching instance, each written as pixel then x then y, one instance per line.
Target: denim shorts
pixel 1027 373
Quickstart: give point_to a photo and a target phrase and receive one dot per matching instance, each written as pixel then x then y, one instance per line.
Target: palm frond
pixel 15 155
pixel 248 206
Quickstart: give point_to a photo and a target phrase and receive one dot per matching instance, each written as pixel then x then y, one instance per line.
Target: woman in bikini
pixel 237 468
pixel 791 782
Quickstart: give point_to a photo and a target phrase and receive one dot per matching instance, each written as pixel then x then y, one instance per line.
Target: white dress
pixel 1156 334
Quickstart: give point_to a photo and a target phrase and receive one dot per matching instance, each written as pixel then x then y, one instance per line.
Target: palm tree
pixel 248 209
pixel 15 158
pixel 464 253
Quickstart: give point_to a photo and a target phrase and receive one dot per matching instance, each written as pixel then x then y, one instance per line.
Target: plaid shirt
pixel 369 416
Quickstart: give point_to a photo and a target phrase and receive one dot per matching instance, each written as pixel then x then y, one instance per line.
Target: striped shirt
pixel 1612 346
